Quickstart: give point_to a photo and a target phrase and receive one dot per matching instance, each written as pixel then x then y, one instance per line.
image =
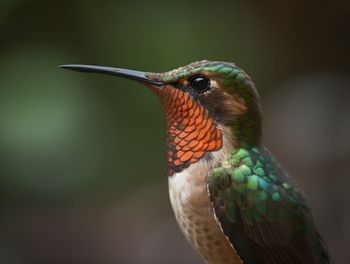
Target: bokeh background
pixel 82 177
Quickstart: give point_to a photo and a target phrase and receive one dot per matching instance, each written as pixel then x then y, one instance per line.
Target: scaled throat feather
pixel 191 131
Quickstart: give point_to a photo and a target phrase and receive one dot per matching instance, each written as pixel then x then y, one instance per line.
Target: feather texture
pixel 262 211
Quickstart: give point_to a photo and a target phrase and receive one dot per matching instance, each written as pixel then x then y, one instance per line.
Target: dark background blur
pixel 81 165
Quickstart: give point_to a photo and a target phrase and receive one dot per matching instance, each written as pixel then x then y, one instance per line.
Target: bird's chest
pixel 195 215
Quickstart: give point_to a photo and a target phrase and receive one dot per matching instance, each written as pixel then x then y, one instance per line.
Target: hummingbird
pixel 232 200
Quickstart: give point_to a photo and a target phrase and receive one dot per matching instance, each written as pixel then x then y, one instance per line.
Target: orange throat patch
pixel 191 132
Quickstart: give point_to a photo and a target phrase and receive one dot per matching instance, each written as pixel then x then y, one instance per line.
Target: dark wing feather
pixel 262 211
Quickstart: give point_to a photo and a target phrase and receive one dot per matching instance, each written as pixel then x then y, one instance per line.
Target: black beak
pixel 124 73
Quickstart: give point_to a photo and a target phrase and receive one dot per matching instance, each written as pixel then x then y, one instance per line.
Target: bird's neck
pixel 243 114
pixel 247 129
pixel 192 133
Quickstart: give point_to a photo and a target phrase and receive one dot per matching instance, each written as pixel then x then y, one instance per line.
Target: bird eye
pixel 199 84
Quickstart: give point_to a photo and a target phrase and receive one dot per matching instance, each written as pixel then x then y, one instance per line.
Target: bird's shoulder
pixel 262 210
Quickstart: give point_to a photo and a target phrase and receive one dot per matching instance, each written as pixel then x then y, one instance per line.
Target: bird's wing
pixel 262 211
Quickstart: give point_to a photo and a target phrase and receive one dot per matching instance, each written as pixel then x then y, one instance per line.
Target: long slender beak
pixel 124 73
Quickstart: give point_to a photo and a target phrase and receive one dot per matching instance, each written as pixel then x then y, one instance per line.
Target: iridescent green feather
pixel 255 190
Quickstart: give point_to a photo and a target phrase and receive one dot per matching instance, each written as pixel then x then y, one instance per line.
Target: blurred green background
pixel 82 177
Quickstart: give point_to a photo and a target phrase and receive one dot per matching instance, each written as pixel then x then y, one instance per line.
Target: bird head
pixel 208 105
